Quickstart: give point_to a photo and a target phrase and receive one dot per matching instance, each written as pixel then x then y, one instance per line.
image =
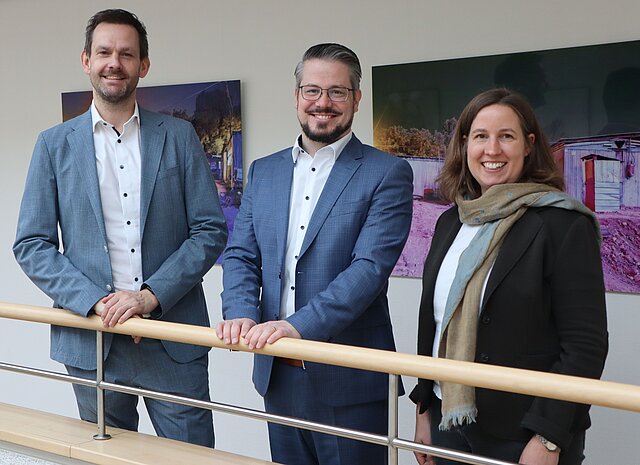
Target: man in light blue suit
pixel 131 193
pixel 320 228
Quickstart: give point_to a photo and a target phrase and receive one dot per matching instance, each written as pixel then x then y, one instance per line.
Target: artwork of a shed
pixel 600 170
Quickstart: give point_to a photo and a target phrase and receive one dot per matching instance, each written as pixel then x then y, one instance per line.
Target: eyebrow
pixel 499 130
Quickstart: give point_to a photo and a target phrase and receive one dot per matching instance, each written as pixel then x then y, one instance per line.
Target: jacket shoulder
pixel 373 154
pixel 558 220
pixel 62 129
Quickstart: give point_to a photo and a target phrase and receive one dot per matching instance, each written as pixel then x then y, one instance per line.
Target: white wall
pixel 259 42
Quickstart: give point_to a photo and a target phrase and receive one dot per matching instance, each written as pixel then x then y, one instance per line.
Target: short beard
pixel 326 137
pixel 117 97
pixel 113 98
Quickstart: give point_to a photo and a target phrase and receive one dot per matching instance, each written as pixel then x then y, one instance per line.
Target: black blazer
pixel 543 309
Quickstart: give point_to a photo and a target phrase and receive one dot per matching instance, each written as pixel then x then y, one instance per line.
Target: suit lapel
pixel 82 150
pixel 282 179
pixel 152 139
pixel 346 165
pixel 514 246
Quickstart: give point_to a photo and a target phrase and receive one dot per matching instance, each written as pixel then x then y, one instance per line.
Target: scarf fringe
pixel 460 416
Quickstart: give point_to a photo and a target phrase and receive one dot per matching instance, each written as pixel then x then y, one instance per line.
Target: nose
pixel 114 61
pixel 492 146
pixel 324 96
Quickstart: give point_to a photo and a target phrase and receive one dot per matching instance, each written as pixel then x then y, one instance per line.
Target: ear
pixel 296 93
pixel 86 63
pixel 532 139
pixel 357 95
pixel 145 64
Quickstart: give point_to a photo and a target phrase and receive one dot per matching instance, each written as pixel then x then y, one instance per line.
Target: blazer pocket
pixel 165 173
pixel 349 208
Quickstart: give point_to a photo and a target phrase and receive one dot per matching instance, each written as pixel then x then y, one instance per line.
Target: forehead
pixel 496 116
pixel 111 35
pixel 325 73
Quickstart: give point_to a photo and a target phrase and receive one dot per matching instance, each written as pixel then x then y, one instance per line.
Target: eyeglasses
pixel 335 94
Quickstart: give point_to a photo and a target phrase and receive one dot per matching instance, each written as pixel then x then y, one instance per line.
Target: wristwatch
pixel 551 447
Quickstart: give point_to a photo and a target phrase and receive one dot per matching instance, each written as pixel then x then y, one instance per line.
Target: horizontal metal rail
pixel 259 415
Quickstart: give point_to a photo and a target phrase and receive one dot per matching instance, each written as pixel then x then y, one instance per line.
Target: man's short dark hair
pixel 116 16
pixel 332 52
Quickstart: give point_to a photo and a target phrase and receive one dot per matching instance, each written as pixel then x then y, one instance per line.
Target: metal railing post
pixel 392 431
pixel 102 433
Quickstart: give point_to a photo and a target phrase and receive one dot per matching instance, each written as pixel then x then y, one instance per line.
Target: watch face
pixel 546 443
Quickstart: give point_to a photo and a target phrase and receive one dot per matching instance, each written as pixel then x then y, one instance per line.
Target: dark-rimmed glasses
pixel 335 94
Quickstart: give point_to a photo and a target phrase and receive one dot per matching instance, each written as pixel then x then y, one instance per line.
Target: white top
pixel 444 281
pixel 118 162
pixel 310 174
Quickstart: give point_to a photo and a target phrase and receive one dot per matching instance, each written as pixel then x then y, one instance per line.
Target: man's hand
pixel 535 453
pixel 269 332
pixel 423 436
pixel 231 331
pixel 122 305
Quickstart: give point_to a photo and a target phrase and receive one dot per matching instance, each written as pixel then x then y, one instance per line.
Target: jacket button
pixel 484 358
pixel 109 288
pixel 486 319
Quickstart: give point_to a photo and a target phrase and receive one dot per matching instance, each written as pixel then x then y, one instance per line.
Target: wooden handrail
pixel 554 386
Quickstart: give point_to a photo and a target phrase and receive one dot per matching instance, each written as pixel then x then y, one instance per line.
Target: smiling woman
pixel 513 278
pixel 497 146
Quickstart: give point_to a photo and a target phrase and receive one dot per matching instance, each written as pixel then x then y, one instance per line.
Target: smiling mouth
pixel 493 165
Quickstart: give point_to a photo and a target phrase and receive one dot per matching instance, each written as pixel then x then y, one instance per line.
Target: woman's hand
pixel 423 436
pixel 535 453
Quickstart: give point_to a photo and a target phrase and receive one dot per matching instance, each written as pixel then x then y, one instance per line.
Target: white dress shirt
pixel 118 162
pixel 310 174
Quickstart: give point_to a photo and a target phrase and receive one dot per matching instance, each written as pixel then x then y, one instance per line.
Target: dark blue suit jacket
pixel 182 226
pixel 354 238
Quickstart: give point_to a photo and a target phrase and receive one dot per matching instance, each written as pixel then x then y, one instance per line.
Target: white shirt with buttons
pixel 310 174
pixel 118 162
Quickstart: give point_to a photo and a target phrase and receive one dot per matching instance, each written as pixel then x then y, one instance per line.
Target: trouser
pixel 291 393
pixel 147 365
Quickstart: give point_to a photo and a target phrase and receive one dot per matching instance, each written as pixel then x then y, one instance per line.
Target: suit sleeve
pixel 242 277
pixel 37 244
pixel 374 255
pixel 185 267
pixel 578 310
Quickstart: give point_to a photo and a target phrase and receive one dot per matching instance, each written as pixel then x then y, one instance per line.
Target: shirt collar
pixel 336 148
pixel 97 119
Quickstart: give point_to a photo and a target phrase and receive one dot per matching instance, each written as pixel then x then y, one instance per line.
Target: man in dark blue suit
pixel 132 194
pixel 319 230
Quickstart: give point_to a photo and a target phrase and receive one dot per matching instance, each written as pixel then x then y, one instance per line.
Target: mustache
pixel 329 111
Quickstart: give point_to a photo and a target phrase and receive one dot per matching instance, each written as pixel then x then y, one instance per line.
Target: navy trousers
pixel 148 365
pixel 291 393
pixel 471 438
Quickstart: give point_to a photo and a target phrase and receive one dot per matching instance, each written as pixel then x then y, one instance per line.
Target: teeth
pixel 323 116
pixel 493 165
